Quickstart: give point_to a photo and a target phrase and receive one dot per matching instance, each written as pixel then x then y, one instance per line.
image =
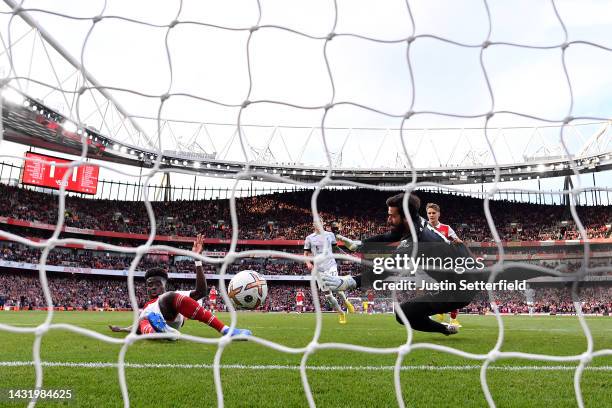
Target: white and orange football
pixel 247 290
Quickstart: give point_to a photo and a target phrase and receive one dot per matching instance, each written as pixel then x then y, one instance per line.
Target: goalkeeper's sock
pixel 191 309
pixel 144 327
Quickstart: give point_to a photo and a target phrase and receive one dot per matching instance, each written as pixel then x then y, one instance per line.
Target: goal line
pixel 472 367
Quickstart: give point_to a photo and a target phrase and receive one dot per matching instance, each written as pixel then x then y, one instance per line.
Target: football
pixel 247 290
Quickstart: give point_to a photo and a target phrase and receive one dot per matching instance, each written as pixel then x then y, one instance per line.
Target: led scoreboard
pixel 41 170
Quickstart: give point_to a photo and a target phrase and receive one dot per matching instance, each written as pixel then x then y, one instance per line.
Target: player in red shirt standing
pixel 370 301
pixel 433 215
pixel 212 299
pixel 299 301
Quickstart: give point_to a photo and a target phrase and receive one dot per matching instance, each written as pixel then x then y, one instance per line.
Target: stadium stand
pixel 279 221
pixel 289 214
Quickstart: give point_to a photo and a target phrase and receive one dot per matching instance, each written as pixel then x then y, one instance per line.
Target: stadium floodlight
pixel 541 168
pixel 123 149
pixel 115 146
pixel 70 126
pixel 196 165
pixel 12 96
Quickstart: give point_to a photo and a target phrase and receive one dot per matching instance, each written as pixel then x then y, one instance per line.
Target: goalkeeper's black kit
pixel 430 244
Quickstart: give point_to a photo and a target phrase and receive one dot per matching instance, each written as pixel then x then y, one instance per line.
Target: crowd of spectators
pixel 95 259
pixel 267 266
pixel 88 293
pixel 594 299
pixel 93 293
pixel 357 213
pixel 74 258
pixel 103 292
pixel 288 215
pixel 84 258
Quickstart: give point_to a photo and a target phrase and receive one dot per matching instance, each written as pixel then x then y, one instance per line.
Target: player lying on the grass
pixel 417 310
pixel 322 242
pixel 165 311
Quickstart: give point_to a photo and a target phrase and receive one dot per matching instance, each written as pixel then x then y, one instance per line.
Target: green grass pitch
pixel 431 379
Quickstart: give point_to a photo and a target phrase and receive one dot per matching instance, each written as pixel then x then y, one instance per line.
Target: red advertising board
pixel 41 170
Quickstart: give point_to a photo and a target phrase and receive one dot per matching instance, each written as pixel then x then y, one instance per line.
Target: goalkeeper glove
pixel 349 243
pixel 338 283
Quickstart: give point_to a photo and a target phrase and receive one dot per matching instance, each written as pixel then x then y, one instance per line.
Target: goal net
pixel 197 90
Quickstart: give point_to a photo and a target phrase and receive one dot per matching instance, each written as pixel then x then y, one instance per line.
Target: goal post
pixel 119 120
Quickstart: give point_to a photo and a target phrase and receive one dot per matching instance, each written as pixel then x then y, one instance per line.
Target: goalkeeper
pixel 430 244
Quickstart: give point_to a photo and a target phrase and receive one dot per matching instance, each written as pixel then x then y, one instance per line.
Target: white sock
pixel 331 298
pixel 343 295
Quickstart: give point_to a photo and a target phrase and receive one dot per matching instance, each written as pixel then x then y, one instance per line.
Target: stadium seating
pixel 358 215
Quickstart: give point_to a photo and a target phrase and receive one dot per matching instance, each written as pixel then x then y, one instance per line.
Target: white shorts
pixel 178 321
pixel 333 271
pixel 299 303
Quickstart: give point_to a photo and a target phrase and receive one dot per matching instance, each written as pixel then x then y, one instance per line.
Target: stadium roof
pixel 28 121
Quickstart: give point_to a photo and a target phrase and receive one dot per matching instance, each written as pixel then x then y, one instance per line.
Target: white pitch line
pixel 297 367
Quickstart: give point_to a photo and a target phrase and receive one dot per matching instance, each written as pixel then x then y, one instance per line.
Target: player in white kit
pixel 322 242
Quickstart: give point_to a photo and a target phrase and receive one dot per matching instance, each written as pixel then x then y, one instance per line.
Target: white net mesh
pixel 89 92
